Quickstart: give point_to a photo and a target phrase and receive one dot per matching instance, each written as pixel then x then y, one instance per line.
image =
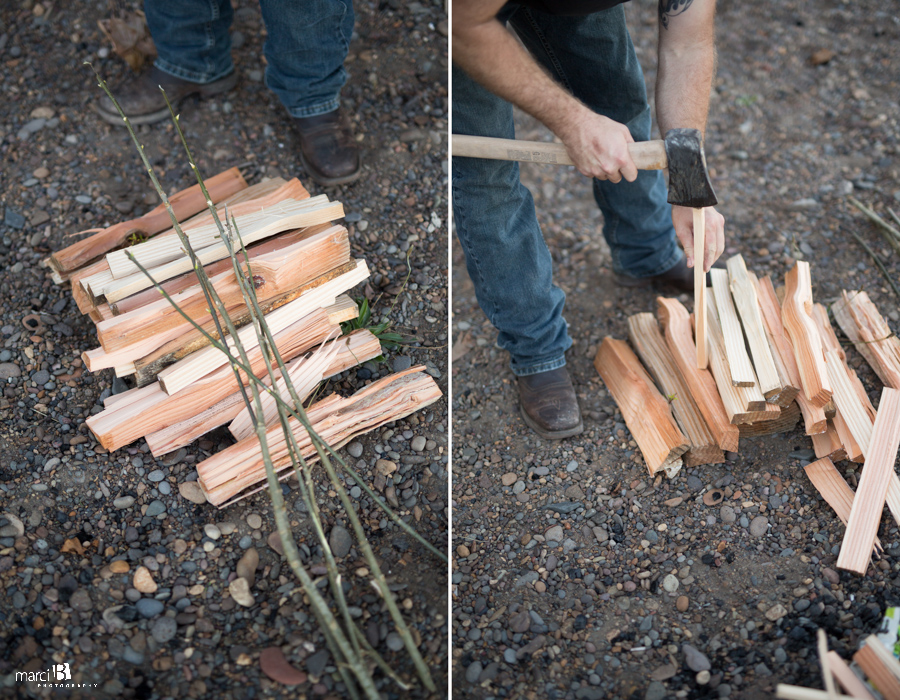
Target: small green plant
pixel 746 100
pixel 389 339
pixel 136 237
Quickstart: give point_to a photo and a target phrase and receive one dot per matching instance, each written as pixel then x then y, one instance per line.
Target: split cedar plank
pixel 274 274
pixel 798 692
pixel 873 485
pixel 148 367
pixel 189 279
pixel 755 399
pixel 744 294
pixel 230 473
pixel 188 370
pixel 786 420
pixel 845 435
pixel 252 225
pixel 828 444
pixel 645 410
pixel 353 349
pixel 82 298
pixel 152 409
pixel 827 679
pixel 852 684
pixel 835 491
pixel 829 408
pixel 644 334
pixel 676 324
pixel 742 373
pixel 870 335
pixel 134 283
pixel 880 666
pixel 185 203
pixel 813 416
pixel 796 313
pixel 736 399
pixel 699 223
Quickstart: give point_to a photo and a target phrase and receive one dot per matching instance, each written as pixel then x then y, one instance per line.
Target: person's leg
pixel 510 266
pixel 194 58
pixel 305 50
pixel 594 58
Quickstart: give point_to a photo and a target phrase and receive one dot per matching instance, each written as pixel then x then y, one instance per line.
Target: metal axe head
pixel 689 184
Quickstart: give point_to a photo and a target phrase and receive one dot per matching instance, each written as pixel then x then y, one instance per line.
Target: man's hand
pixel 683 220
pixel 598 146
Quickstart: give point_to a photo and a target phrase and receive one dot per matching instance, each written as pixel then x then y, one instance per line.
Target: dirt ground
pixel 804 113
pixel 63 172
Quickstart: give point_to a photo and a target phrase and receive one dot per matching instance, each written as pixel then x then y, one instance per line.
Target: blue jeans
pixel 305 49
pixel 591 56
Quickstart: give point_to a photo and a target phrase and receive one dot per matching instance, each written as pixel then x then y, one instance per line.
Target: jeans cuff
pixel 191 76
pixel 547 366
pixel 316 110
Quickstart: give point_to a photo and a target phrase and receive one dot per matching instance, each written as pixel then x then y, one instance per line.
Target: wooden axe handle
pixel 647 155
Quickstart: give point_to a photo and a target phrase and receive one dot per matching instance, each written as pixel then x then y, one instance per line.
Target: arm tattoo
pixel 670 8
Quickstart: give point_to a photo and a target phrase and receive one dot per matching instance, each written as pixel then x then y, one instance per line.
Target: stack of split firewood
pixel 773 357
pixel 301 268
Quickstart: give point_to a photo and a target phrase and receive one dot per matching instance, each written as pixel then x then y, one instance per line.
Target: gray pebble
pixel 355 449
pixel 149 607
pixel 694 659
pixel 164 629
pixel 340 541
pixel 156 475
pixel 394 641
pixel 759 525
pixel 473 672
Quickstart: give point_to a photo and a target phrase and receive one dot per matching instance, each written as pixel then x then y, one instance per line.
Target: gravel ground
pixel 575 574
pixel 77 523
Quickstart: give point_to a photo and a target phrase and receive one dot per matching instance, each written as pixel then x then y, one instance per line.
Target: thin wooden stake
pixel 700 287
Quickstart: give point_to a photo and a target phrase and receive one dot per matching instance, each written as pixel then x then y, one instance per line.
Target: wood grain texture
pixel 643 332
pixel 873 485
pixel 822 646
pixel 871 336
pixel 813 416
pixel 354 348
pixel 787 420
pixel 802 330
pixel 742 373
pixel 880 666
pixel 238 470
pixel 699 221
pixel 835 491
pixel 828 444
pixel 645 411
pixel 798 692
pixel 676 324
pixel 744 294
pixel 185 203
pixel 852 684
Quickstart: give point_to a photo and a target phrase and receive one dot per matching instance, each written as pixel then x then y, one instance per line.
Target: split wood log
pixel 835 491
pixel 228 475
pixel 786 421
pixel 147 368
pixel 353 349
pixel 845 435
pixel 274 274
pixel 873 338
pixel 189 279
pixel 828 444
pixel 81 296
pixel 699 221
pixel 200 363
pixel 736 399
pixel 651 348
pixel 152 409
pixel 831 342
pixel 873 485
pixel 852 684
pixel 798 692
pixel 880 666
pixel 185 203
pixel 742 373
pixel 827 679
pixel 813 416
pixel 804 335
pixel 253 226
pixel 645 410
pixel 743 292
pixel 126 286
pixel 676 324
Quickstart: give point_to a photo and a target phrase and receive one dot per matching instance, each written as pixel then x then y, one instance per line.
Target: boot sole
pixel 320 179
pixel 550 434
pixel 217 88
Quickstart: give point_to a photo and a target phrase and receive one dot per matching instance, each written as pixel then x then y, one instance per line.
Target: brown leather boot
pixel 548 405
pixel 143 102
pixel 680 277
pixel 328 149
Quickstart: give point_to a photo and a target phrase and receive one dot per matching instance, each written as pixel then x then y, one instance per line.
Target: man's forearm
pixel 493 57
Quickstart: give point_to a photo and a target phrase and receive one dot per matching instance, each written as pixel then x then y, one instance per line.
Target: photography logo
pixel 57 676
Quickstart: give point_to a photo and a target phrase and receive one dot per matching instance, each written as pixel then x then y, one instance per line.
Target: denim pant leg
pixel 594 58
pixel 305 51
pixel 191 37
pixel 506 255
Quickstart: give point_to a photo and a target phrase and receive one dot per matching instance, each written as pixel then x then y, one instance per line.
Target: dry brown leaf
pixel 821 57
pixel 73 546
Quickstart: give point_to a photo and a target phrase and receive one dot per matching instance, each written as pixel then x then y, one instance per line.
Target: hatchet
pixel 689 186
